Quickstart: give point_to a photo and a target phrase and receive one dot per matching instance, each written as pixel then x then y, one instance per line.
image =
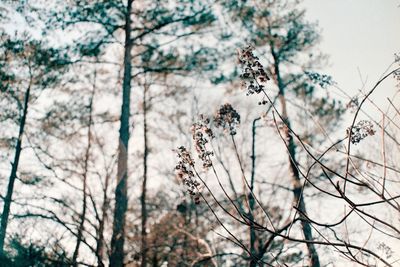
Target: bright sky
pixel 358 34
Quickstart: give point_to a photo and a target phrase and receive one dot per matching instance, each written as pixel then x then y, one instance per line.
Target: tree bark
pixel 121 197
pixel 13 175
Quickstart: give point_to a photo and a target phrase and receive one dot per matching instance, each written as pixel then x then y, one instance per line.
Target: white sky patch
pixel 360 37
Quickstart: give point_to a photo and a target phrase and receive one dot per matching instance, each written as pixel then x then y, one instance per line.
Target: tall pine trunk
pixel 13 175
pixel 295 176
pixel 144 184
pixel 121 197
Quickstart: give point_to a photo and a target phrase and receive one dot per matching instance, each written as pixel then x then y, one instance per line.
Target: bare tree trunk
pixel 121 197
pixel 100 233
pixel 144 184
pixel 84 178
pixel 252 246
pixel 13 175
pixel 297 187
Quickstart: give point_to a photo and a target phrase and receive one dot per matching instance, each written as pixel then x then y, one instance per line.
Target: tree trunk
pixel 121 197
pixel 252 233
pixel 144 185
pixel 13 174
pixel 100 232
pixel 297 187
pixel 84 179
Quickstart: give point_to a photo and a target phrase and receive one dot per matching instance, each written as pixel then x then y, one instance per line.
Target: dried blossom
pixel 202 133
pixel 185 173
pixel 227 118
pixel 361 130
pixel 253 73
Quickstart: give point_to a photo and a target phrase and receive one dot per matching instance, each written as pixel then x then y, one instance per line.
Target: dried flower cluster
pixel 361 130
pixel 227 118
pixel 185 174
pixel 253 74
pixel 202 133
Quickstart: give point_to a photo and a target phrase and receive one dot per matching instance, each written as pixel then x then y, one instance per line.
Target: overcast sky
pixel 358 34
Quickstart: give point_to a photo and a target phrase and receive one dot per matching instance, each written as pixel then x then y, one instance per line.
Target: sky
pixel 360 36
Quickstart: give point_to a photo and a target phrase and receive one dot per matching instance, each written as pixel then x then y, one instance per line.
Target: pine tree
pixel 133 26
pixel 27 67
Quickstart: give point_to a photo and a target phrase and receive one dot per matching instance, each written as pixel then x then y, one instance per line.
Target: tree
pixel 31 254
pixel 135 23
pixel 27 68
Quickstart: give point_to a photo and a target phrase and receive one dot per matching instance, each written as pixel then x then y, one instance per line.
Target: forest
pixel 197 133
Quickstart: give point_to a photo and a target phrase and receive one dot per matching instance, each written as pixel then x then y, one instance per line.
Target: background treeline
pixel 188 133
